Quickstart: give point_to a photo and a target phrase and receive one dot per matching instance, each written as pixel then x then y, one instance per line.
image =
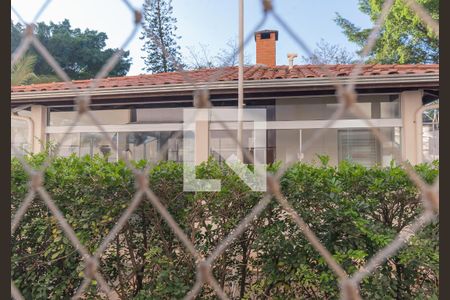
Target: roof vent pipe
pixel 291 57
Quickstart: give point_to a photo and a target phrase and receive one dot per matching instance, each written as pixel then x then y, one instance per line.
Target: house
pixel 142 113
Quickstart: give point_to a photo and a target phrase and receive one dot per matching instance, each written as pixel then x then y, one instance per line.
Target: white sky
pixel 211 22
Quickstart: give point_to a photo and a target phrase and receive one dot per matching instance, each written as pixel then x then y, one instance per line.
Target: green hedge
pixel 353 210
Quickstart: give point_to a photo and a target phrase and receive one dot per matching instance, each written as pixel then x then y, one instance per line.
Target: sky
pixel 209 22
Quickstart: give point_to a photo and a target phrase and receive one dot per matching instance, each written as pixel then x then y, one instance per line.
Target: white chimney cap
pixel 291 57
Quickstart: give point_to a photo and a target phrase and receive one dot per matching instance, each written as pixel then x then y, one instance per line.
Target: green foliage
pixel 404 39
pixel 81 54
pixel 22 72
pixel 159 28
pixel 353 210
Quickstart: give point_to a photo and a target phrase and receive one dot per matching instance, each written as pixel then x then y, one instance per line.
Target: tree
pixel 16 35
pixel 162 51
pixel 200 57
pixel 81 54
pixel 22 72
pixel 404 39
pixel 327 53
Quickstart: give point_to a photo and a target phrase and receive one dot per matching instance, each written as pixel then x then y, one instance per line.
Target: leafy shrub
pixel 353 210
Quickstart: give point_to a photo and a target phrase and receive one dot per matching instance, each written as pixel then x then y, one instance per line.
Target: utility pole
pixel 240 81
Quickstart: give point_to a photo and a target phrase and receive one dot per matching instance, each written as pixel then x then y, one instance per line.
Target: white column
pixel 39 116
pixel 411 101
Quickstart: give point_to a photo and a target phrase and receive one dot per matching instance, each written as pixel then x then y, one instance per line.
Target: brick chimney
pixel 266 47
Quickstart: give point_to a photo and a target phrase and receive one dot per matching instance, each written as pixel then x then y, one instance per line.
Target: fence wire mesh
pixel 346 96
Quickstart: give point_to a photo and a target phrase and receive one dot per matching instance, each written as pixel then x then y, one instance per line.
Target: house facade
pixel 143 113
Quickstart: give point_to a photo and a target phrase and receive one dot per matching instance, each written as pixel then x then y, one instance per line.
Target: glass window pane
pixel 65 116
pixel 361 146
pixel 430 142
pixel 159 115
pixel 19 136
pixel 222 145
pixel 152 146
pixel 105 117
pixel 136 145
pixel 390 110
pixel 358 145
pixel 70 145
pixel 86 143
pixel 322 108
pixel 93 143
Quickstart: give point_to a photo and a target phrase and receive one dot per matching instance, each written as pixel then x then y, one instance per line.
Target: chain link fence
pixel 347 97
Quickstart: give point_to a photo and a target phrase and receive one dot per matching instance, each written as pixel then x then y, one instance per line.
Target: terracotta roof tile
pixel 256 72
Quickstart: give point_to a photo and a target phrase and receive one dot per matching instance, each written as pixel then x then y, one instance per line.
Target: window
pixel 222 145
pixel 85 143
pixel 358 145
pixel 69 145
pixel 136 145
pixel 361 146
pixel 323 107
pixel 21 131
pixel 159 115
pixel 150 145
pixel 147 131
pixel 92 143
pixel 20 134
pixel 139 132
pixel 65 116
